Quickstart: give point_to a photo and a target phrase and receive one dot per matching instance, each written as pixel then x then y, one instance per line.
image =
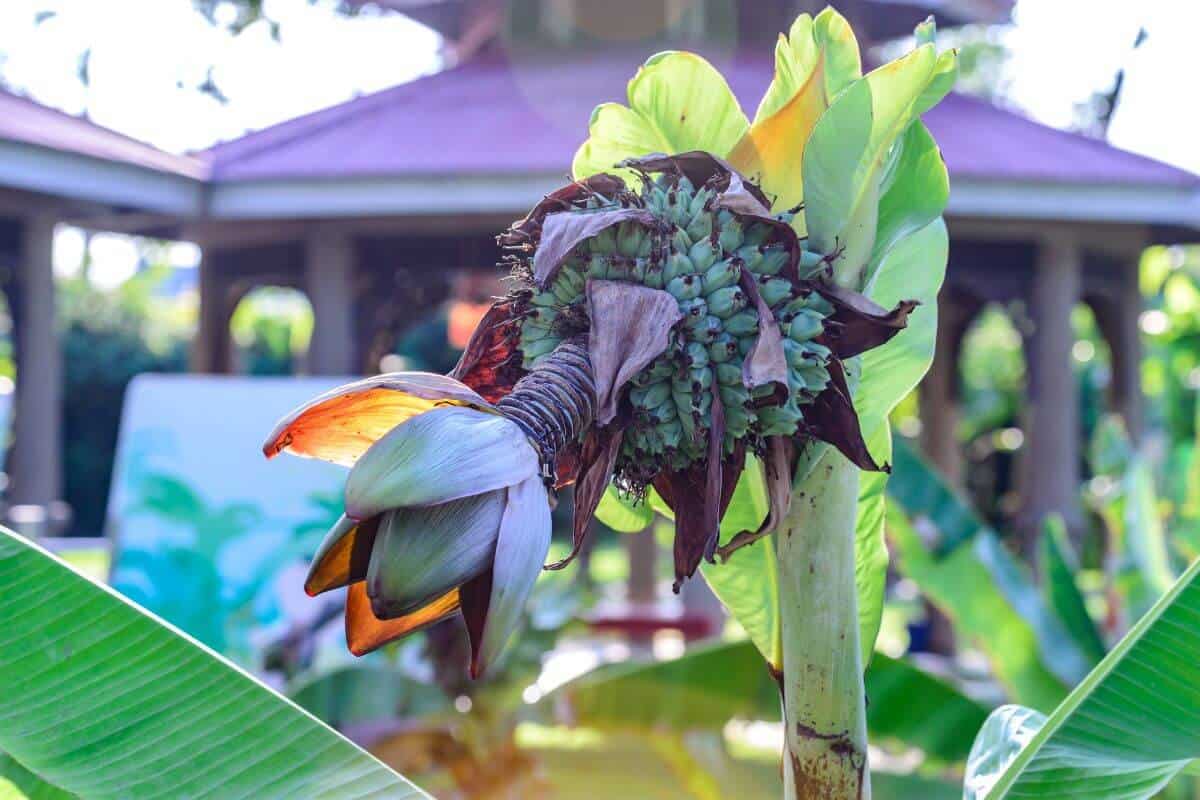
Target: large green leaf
pixel 979 585
pixel 712 684
pixel 912 270
pixel 1122 734
pixel 18 783
pixel 105 700
pixel 748 583
pixel 677 102
pixel 1062 592
pixel 849 152
pixel 621 513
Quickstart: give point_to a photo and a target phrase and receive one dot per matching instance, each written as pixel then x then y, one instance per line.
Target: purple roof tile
pixel 487 118
pixel 23 120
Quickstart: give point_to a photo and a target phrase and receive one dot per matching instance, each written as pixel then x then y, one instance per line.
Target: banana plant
pixel 707 287
pixel 104 700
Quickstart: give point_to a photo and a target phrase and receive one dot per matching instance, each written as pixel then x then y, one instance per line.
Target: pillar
pixel 1051 478
pixel 36 460
pixel 642 550
pixel 939 396
pixel 211 350
pixel 329 280
pixel 1125 343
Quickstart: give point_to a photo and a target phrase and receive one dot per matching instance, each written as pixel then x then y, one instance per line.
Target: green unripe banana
pixel 732 236
pixel 728 373
pixel 723 348
pixel 535 349
pixel 752 256
pixel 695 355
pixel 545 299
pixel 775 290
pixel 685 287
pixel 597 268
pixel 722 274
pixel 703 255
pixel 694 311
pixel 773 260
pixel 733 396
pixel 680 241
pixel 742 323
pixel 654 275
pixel 677 264
pixel 604 242
pixel 804 326
pixel 780 420
pixel 701 379
pixel 650 396
pixel 701 227
pixel 724 303
pixel 629 238
pixel 810 263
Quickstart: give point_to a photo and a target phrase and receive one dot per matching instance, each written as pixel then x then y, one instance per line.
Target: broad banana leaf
pixel 104 700
pixel 710 685
pixel 961 565
pixel 1126 730
pixel 1062 593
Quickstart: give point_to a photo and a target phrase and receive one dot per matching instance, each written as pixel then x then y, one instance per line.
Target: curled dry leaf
pixel 859 324
pixel 562 233
pixel 779 465
pixel 630 327
pixel 832 418
pixel 766 362
pixel 525 232
pixel 597 456
pixel 491 362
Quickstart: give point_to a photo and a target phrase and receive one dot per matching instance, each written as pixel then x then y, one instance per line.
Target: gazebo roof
pixel 51 152
pixel 489 120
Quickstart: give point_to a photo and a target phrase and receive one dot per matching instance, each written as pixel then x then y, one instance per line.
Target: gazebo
pixel 370 206
pixel 54 167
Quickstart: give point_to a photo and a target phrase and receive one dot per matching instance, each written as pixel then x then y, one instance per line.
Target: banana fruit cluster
pixel 697 254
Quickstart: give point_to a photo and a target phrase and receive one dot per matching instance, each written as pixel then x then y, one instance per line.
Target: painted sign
pixel 208 534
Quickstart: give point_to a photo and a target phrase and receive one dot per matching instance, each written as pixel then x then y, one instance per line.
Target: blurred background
pixel 211 210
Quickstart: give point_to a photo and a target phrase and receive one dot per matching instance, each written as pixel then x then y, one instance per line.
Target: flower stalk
pixel 824 708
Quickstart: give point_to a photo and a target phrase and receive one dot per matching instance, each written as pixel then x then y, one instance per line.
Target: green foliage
pixel 107 339
pixel 143 710
pixel 713 684
pixel 1122 734
pixel 960 564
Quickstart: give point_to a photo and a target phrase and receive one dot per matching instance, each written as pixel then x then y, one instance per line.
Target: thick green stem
pixel 825 728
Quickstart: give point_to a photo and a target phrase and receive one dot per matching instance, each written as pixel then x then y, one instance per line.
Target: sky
pixel 148 56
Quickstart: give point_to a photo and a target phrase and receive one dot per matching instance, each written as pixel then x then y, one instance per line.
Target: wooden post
pixel 642 550
pixel 1126 345
pixel 36 460
pixel 329 279
pixel 211 350
pixel 939 397
pixel 1051 479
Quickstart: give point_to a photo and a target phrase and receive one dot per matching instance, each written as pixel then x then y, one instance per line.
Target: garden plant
pixel 712 321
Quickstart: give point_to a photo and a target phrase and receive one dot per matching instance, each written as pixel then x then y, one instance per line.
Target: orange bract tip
pixel 365 632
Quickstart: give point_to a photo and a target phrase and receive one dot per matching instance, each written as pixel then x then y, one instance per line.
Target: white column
pixel 1052 439
pixel 329 280
pixel 36 460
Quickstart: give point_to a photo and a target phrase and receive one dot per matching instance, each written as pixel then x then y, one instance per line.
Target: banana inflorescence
pixel 698 253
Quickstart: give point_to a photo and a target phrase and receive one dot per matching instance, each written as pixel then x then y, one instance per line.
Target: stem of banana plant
pixel 824 708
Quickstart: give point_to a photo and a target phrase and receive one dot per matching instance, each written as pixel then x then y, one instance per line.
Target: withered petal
pixel 527 231
pixel 766 362
pixel 491 362
pixel 831 418
pixel 630 327
pixel 366 632
pixel 596 460
pixel 859 323
pixel 697 519
pixel 562 232
pixel 475 597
